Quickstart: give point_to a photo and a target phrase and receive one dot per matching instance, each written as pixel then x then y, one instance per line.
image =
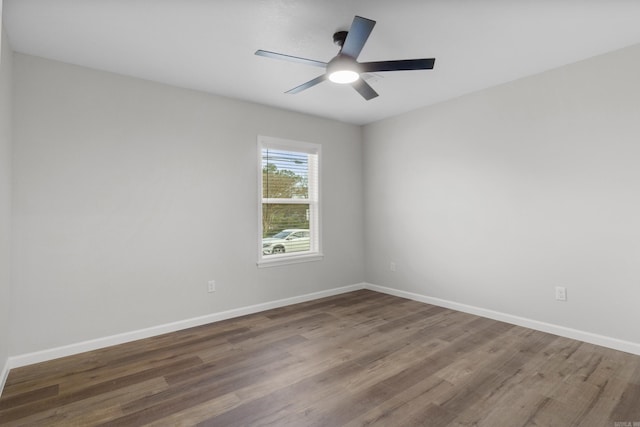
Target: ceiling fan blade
pixel 308 84
pixel 357 37
pixel 400 65
pixel 364 89
pixel 290 58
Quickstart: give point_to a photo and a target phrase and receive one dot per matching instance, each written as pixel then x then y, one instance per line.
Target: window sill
pixel 289 259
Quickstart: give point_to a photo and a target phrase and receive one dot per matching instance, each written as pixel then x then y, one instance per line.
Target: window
pixel 289 211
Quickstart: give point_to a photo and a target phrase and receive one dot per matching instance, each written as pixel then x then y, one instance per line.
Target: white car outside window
pixel 291 240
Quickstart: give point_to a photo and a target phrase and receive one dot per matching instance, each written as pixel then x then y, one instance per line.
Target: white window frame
pixel 314 202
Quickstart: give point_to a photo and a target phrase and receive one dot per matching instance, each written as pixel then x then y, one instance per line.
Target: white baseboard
pixel 3 376
pixel 68 350
pixel 614 343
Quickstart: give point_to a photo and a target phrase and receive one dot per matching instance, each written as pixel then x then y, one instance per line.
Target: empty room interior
pixel 320 213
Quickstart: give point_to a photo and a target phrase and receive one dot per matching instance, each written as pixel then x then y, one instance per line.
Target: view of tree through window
pixel 285 175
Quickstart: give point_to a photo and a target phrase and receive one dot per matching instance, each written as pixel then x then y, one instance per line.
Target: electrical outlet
pixel 211 287
pixel 392 266
pixel 561 293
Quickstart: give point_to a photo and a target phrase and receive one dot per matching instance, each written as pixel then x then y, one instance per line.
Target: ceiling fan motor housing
pixel 340 37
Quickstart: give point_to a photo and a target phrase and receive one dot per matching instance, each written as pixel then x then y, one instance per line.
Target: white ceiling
pixel 209 45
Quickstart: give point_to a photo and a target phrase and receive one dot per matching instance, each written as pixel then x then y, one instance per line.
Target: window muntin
pixel 289 214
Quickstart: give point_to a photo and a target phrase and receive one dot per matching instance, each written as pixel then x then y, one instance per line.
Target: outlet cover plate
pixel 561 293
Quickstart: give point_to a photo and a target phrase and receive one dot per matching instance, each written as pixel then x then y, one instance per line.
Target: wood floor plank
pixel 15 400
pixel 360 358
pixel 628 407
pixel 14 413
pixel 402 406
pixel 91 410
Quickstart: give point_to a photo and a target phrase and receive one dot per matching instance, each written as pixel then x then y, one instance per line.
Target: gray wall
pixel 5 194
pixel 130 195
pixel 495 198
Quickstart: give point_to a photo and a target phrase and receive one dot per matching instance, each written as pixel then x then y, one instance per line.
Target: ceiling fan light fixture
pixel 343 70
pixel 344 76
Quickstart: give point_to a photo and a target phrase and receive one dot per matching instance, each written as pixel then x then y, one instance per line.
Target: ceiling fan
pixel 344 67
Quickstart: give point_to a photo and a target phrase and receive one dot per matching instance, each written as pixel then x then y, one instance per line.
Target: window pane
pixel 285 228
pixel 285 174
pixel 278 217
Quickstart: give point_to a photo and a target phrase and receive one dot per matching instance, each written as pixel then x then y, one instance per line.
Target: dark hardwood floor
pixel 361 358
